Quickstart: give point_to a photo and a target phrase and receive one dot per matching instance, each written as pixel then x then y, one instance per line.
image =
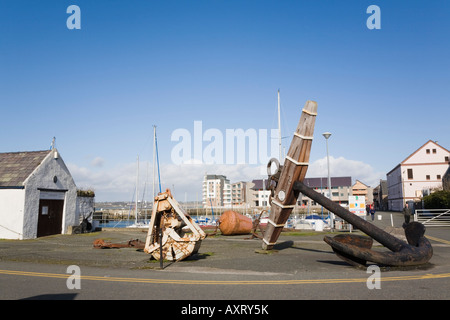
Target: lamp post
pixel 327 135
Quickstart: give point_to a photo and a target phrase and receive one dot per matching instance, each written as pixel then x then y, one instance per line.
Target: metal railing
pixel 433 217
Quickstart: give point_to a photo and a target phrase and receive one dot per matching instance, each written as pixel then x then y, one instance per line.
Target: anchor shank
pixel 376 233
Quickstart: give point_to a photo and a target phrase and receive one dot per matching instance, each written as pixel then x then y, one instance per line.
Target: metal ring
pixel 269 166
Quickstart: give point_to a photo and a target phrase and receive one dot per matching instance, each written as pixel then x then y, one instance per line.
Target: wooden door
pixel 50 217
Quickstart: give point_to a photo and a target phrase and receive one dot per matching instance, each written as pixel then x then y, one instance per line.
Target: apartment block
pixel 219 192
pixel 341 189
pixel 216 191
pixel 238 193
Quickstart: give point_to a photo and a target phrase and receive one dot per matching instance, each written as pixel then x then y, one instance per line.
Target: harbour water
pixel 201 220
pixel 121 223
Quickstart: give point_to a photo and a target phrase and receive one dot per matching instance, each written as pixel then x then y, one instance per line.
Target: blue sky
pixel 133 64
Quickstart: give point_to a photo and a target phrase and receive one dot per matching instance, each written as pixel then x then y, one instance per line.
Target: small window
pixel 438 177
pixel 410 174
pixel 434 151
pixel 428 151
pixel 428 177
pixel 446 158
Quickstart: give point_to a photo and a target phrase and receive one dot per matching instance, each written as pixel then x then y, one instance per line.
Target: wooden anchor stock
pixel 283 196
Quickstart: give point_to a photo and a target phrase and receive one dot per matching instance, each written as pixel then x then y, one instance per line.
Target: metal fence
pixel 433 217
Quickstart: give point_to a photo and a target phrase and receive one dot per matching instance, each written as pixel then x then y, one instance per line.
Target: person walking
pixel 372 211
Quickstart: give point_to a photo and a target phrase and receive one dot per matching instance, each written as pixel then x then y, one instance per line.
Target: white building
pixel 261 195
pixel 37 195
pixel 420 172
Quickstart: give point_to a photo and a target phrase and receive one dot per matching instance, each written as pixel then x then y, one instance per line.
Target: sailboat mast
pixel 137 190
pixel 279 127
pixel 154 161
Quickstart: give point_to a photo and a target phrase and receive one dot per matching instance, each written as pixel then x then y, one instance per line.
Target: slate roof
pixel 323 182
pixel 15 167
pixel 258 184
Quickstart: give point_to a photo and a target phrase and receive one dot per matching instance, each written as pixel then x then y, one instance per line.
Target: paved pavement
pixel 301 266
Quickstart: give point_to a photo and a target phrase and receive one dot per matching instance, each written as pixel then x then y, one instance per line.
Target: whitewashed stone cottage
pixel 37 195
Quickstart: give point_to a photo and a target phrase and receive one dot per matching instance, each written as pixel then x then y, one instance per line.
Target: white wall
pixel 85 205
pixel 395 189
pixel 414 187
pixel 11 213
pixel 263 198
pixel 427 154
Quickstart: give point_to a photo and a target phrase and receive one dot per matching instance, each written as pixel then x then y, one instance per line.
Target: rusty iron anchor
pixel 356 249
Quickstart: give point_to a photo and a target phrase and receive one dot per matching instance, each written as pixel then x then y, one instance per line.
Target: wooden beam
pixel 294 169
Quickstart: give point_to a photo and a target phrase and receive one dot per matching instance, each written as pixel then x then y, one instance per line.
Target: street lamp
pixel 327 135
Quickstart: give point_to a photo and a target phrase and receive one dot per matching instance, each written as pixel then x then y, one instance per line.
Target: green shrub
pixel 437 200
pixel 86 193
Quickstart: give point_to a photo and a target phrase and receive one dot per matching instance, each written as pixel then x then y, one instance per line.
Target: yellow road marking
pixel 438 240
pixel 217 282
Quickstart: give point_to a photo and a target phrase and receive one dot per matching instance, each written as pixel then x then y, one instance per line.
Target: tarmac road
pixel 301 266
